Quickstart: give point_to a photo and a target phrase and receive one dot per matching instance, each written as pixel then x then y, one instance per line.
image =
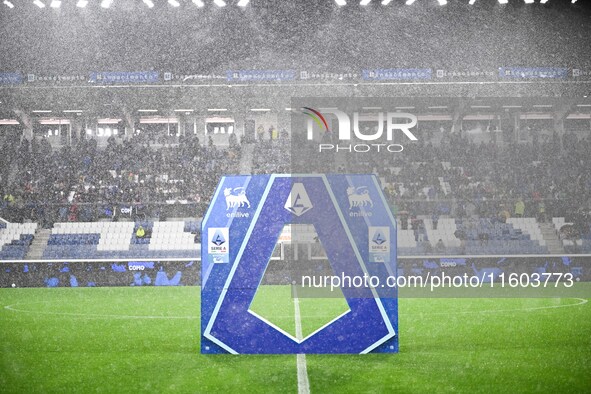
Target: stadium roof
pixel 267 34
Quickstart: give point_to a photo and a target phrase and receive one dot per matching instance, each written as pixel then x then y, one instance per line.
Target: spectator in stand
pixel 483 237
pixel 8 198
pixel 414 222
pixel 140 232
pixel 419 231
pixel 519 208
pixel 403 220
pixel 435 220
pixel 73 213
pixel 440 246
pixel 542 212
pixel 503 214
pixel 426 246
pixel 260 133
pixel 461 235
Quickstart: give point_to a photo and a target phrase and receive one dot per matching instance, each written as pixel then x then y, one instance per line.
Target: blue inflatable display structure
pixel 239 233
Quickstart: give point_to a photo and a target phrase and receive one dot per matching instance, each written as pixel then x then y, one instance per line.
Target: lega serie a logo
pixel 352 246
pixel 298 202
pixel 218 238
pixel 349 131
pixel 218 245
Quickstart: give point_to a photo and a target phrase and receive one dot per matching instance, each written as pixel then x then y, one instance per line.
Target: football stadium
pixel 340 196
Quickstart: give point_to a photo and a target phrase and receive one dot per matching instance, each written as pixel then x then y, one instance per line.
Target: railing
pixel 49 213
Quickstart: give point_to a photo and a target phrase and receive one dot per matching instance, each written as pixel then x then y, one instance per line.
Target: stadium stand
pixel 88 183
pixel 472 237
pixel 574 239
pixel 15 240
pixel 448 175
pixel 95 197
pixel 109 240
pixel 270 156
pixel 169 239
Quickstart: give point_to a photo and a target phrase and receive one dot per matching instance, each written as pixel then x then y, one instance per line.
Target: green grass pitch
pixel 147 340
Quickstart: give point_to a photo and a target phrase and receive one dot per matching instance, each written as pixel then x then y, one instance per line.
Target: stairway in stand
pixel 38 245
pixel 551 238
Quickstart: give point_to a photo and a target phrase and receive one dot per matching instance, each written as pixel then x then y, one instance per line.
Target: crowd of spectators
pixel 454 176
pixel 466 179
pixel 544 176
pixel 85 182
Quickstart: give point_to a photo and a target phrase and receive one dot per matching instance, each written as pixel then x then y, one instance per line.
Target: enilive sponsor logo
pixel 359 198
pixel 375 139
pixel 236 198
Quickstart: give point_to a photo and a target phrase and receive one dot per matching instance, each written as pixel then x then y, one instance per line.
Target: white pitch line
pixel 581 301
pixel 96 315
pixel 303 382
